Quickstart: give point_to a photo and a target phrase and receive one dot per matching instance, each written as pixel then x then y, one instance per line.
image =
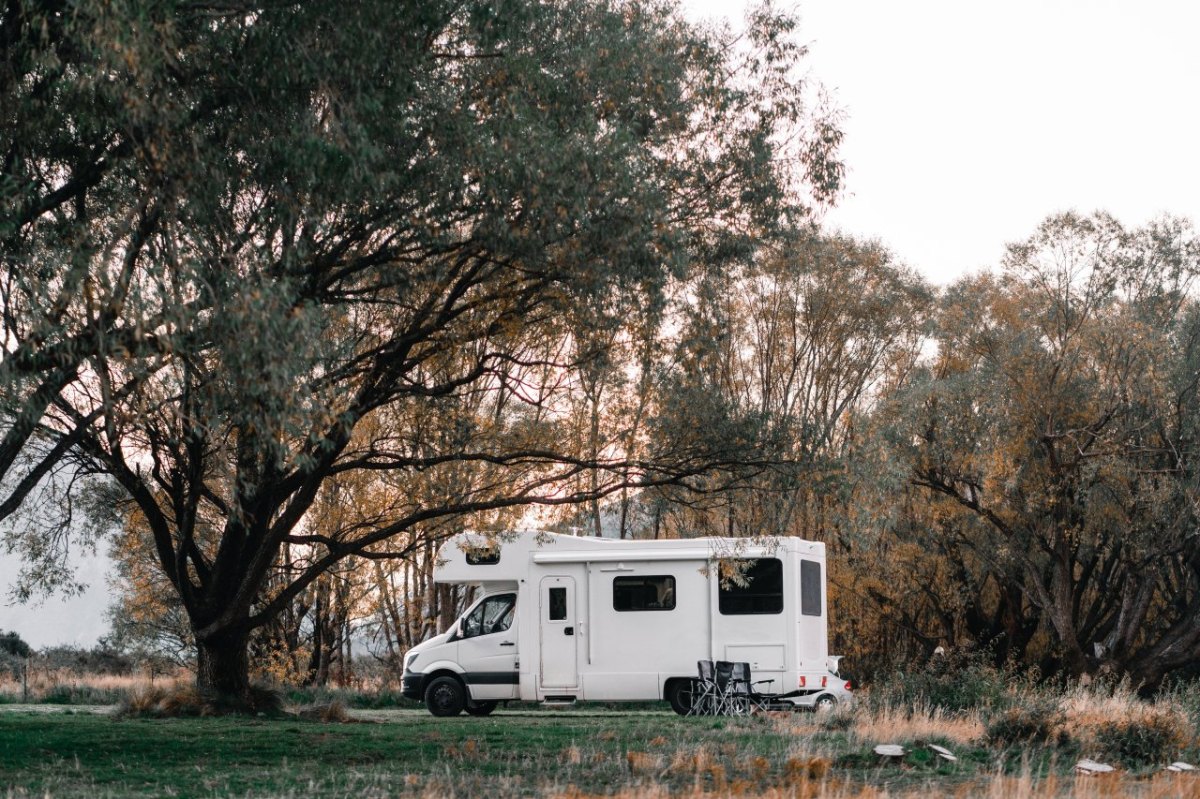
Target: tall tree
pixel 783 342
pixel 237 235
pixel 1058 422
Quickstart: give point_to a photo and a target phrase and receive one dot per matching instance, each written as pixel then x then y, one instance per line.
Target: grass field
pixel 569 754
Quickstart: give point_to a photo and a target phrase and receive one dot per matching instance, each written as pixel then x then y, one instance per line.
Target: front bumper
pixel 412 685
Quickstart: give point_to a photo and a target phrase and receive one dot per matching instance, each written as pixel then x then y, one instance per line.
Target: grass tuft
pixel 326 712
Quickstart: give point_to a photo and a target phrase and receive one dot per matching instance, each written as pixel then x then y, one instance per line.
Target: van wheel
pixel 680 694
pixel 445 696
pixel 481 708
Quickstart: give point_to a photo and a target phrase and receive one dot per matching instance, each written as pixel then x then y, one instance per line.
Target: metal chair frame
pixel 704 697
pixel 728 689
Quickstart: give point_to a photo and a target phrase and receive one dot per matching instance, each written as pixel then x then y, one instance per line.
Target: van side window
pixel 483 557
pixel 762 594
pixel 810 588
pixel 493 615
pixel 644 593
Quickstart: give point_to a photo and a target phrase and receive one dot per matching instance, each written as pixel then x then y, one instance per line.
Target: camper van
pixel 563 618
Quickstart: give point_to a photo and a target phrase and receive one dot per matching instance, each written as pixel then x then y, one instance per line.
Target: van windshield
pixel 493 615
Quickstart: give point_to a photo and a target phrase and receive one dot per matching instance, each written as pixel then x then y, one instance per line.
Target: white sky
pixel 966 124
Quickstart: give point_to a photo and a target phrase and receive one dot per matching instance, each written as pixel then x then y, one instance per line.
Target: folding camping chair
pixel 744 692
pixel 704 698
pixel 731 696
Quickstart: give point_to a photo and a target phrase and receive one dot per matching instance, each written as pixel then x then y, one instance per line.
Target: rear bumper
pixel 412 686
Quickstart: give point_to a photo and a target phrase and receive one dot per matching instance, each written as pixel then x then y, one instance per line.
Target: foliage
pixel 12 644
pixel 527 753
pixel 254 248
pixel 960 683
pixel 11 665
pixel 103 658
pixel 1036 719
pixel 1154 737
pixel 1050 447
pixel 186 701
pixel 781 349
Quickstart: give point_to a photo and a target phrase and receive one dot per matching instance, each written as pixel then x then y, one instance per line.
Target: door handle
pixel 568 631
pixel 507 643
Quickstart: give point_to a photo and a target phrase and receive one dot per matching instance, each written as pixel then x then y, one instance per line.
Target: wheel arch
pixel 669 682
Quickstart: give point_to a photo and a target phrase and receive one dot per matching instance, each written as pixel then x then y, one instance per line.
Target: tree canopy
pixel 1054 434
pixel 251 248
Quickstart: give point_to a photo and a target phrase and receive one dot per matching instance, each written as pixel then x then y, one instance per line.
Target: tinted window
pixel 483 557
pixel 644 593
pixel 810 588
pixel 493 615
pixel 558 604
pixel 762 593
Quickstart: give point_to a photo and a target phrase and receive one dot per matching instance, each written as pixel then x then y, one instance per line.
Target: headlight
pixel 410 660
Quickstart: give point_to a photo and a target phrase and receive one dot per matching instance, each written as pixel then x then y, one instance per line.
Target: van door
pixel 487 649
pixel 559 646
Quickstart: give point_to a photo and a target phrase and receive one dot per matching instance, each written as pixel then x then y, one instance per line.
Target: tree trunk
pixel 223 669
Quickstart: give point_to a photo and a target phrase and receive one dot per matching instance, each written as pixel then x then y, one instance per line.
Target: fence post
pixel 25 682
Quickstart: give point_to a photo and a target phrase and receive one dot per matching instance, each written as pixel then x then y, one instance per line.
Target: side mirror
pixel 456 631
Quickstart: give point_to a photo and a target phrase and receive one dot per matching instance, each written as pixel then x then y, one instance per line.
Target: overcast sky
pixel 966 124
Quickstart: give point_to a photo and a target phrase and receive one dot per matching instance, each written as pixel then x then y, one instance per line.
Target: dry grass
pixel 327 712
pixel 793 755
pixel 183 701
pixel 1160 786
pixel 924 724
pixel 891 725
pixel 44 685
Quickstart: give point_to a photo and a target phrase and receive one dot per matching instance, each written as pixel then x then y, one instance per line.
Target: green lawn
pixel 86 755
pixel 409 753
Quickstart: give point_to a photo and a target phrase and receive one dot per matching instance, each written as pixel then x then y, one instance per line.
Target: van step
pixel 558 701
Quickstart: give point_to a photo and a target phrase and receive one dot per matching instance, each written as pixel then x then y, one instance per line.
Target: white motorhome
pixel 563 618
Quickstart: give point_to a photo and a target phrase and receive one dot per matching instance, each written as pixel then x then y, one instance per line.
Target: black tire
pixel 481 708
pixel 445 696
pixel 680 694
pixel 825 702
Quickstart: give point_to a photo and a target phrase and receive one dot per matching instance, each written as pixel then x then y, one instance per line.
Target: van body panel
pixel 612 620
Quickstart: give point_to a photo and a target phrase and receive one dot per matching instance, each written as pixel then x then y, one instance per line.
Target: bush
pixel 955 684
pixel 839 720
pixel 328 712
pixel 13 645
pixel 1155 736
pixel 100 659
pixel 1186 697
pixel 1034 720
pixel 11 666
pixel 186 701
pixel 80 694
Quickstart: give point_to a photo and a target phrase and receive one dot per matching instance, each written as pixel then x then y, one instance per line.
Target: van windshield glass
pixel 493 615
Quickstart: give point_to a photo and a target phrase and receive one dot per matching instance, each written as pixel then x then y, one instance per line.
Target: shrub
pixel 100 659
pixel 1186 697
pixel 185 701
pixel 1036 720
pixel 79 695
pixel 1155 736
pixel 328 712
pixel 11 666
pixel 955 684
pixel 162 703
pixel 840 720
pixel 12 644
